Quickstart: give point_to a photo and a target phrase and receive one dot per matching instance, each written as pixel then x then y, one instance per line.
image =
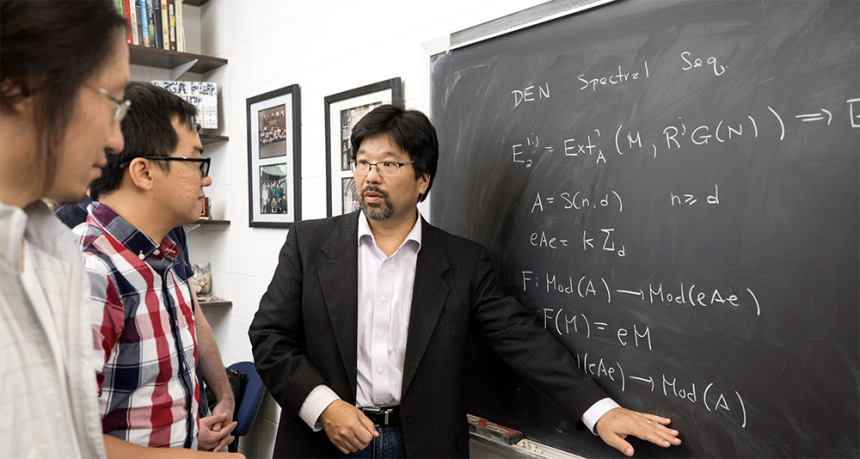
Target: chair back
pixel 250 403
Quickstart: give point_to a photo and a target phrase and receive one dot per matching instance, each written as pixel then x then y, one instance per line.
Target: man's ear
pixel 423 183
pixel 140 172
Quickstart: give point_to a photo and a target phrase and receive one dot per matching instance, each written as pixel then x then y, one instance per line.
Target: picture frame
pixel 342 111
pixel 205 210
pixel 274 158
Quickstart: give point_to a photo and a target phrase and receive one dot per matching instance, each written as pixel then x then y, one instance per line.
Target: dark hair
pixel 48 49
pixel 148 131
pixel 410 129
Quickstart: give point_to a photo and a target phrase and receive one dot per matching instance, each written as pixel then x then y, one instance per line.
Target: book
pixel 182 31
pixel 165 26
pixel 180 28
pixel 134 13
pixel 171 16
pixel 150 23
pixel 126 13
pixel 144 24
pixel 156 24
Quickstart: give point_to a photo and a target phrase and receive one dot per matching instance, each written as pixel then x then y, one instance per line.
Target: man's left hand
pixel 614 426
pixel 209 439
pixel 224 407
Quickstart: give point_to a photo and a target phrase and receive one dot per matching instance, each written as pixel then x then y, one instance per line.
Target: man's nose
pixel 373 174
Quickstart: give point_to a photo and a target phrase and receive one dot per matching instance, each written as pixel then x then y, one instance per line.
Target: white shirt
pixel 384 305
pixel 49 392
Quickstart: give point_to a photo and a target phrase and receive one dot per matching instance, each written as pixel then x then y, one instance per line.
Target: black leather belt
pixel 382 415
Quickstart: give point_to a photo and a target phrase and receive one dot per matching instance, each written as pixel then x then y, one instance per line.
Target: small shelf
pixel 212 304
pixel 209 139
pixel 195 2
pixel 213 223
pixel 208 224
pixel 165 59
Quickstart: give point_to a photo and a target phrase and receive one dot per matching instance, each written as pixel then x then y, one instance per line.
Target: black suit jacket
pixel 305 334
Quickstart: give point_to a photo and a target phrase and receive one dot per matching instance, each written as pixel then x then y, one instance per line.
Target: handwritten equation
pixel 712 398
pixel 593 145
pixel 652 294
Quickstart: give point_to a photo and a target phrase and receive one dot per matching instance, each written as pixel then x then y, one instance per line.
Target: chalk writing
pixel 690 199
pixel 675 136
pixel 697 62
pixel 528 94
pixel 564 323
pixel 578 201
pixel 715 401
pixel 613 79
pixel 854 112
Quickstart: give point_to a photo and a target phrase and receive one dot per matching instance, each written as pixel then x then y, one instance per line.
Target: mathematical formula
pixel 591 144
pixel 681 294
pixel 712 398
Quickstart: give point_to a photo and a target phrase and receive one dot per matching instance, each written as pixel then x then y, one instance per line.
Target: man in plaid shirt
pixel 142 311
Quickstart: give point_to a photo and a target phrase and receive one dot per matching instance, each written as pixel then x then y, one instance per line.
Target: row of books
pixel 153 23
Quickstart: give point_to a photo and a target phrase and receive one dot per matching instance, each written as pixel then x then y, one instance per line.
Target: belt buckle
pixel 385 411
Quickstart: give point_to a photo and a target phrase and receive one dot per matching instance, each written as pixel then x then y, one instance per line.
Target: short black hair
pixel 148 131
pixel 410 129
pixel 49 49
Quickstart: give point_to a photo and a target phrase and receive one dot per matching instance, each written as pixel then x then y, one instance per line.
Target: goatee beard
pixel 376 211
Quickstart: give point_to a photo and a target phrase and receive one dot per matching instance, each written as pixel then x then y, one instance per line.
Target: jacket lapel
pixel 339 283
pixel 428 299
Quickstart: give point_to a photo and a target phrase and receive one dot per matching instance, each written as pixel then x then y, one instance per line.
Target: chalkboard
pixel 673 188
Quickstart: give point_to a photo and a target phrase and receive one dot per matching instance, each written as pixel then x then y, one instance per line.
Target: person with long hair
pixel 63 73
pixel 64 70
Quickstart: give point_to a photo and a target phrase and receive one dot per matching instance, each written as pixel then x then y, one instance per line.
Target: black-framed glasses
pixel 204 162
pixel 121 105
pixel 385 168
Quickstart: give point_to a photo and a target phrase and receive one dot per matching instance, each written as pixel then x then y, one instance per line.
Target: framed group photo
pixel 342 112
pixel 274 158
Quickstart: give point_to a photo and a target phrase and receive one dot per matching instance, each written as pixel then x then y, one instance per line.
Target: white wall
pixel 325 46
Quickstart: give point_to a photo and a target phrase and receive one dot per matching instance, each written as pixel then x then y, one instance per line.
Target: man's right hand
pixel 347 427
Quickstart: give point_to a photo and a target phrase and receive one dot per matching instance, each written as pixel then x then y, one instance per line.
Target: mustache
pixel 375 189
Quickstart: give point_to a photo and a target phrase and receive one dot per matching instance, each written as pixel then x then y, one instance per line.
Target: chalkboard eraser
pixel 493 431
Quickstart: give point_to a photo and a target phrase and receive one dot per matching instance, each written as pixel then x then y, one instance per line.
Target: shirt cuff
pixel 317 401
pixel 593 414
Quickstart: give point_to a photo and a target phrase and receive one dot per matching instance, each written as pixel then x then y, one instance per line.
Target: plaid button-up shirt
pixel 143 334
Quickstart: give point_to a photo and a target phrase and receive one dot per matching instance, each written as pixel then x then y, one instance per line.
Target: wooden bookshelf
pixel 213 223
pixel 209 139
pixel 212 304
pixel 166 59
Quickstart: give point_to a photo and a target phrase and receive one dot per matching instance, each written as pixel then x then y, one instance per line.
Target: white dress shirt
pixel 384 304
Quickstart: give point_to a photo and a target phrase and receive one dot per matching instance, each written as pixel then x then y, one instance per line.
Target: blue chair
pixel 249 404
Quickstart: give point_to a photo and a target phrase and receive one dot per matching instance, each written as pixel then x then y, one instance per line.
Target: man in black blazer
pixel 361 336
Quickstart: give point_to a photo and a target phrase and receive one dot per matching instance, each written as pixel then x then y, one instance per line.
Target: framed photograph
pixel 274 158
pixel 342 112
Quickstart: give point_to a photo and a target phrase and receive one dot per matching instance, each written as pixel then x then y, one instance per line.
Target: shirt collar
pixel 84 203
pixel 39 226
pixel 129 236
pixel 365 234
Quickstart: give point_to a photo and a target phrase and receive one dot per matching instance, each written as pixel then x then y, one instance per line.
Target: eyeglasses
pixel 121 105
pixel 385 168
pixel 204 162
